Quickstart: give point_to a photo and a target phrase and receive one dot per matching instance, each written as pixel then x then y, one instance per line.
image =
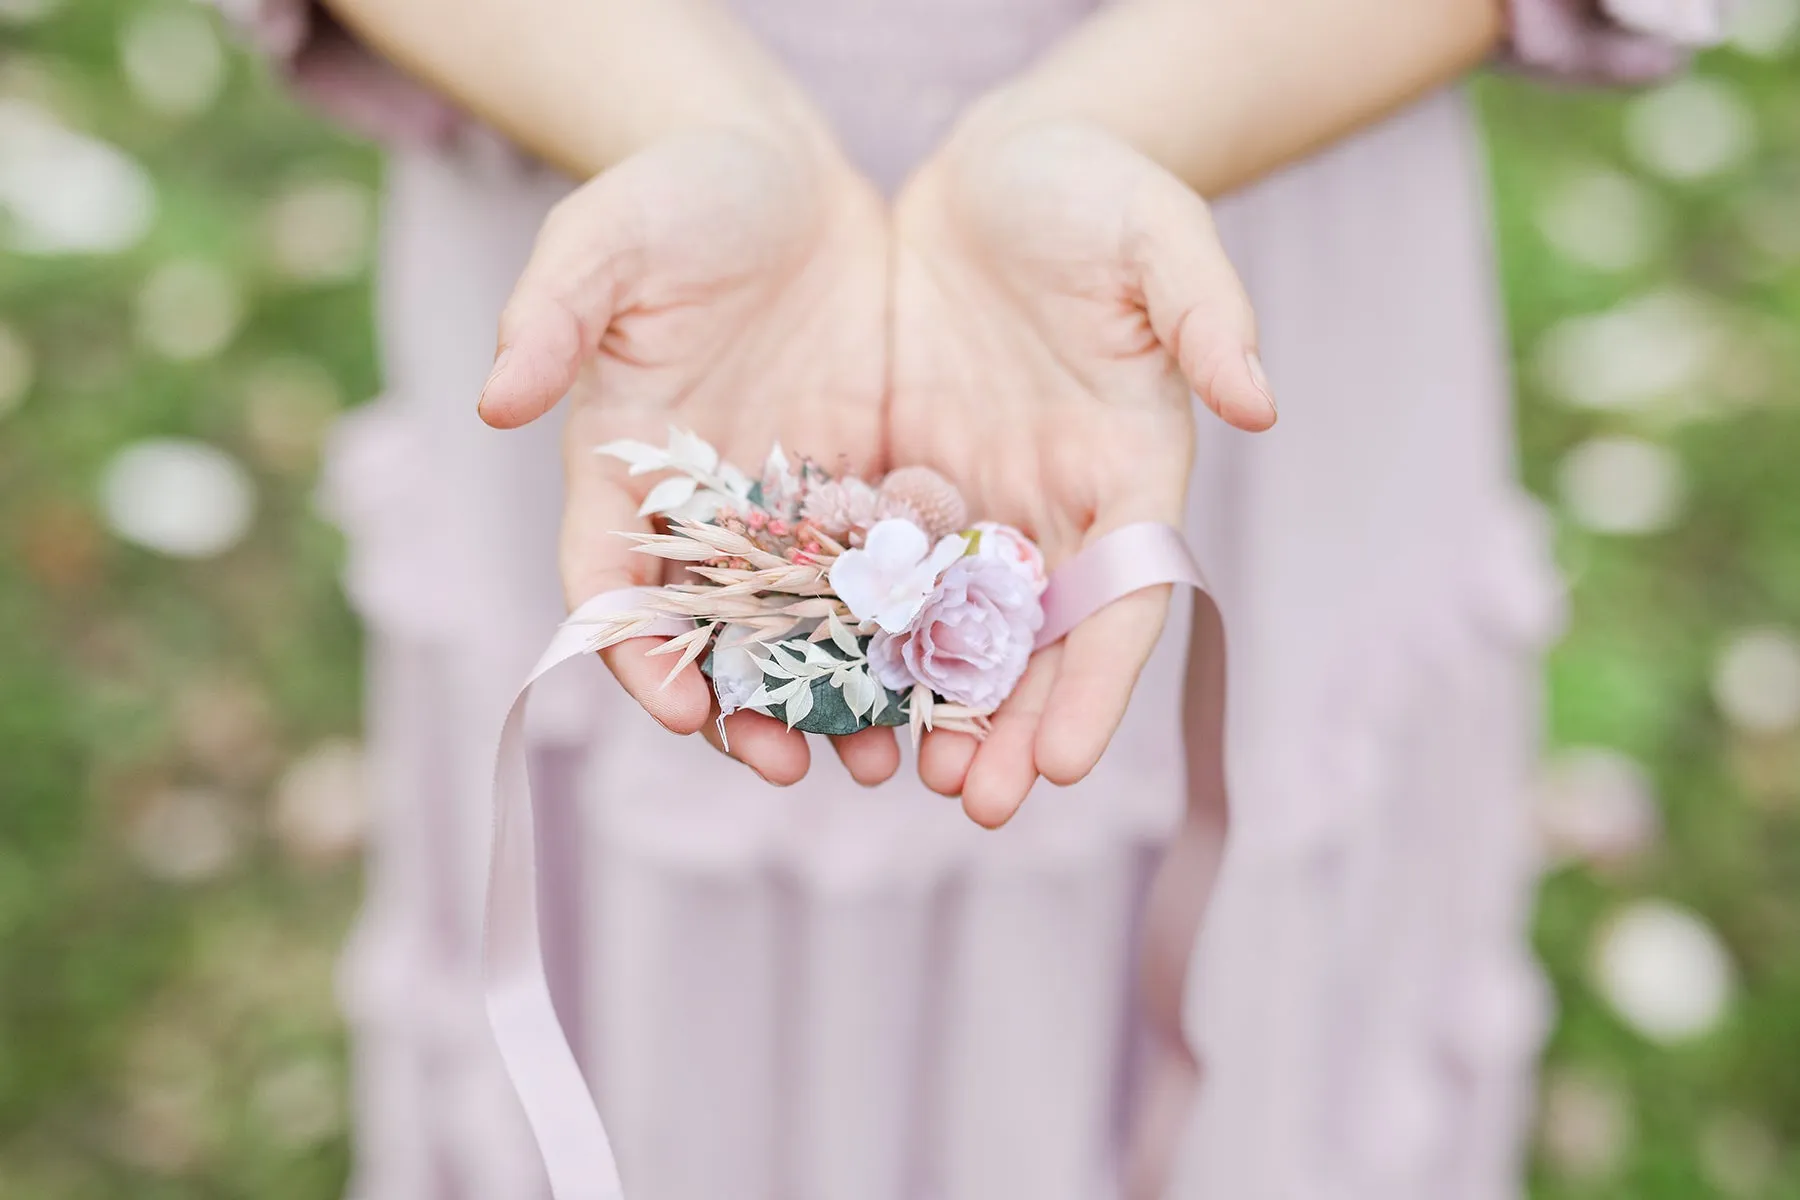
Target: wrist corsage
pixel 828 602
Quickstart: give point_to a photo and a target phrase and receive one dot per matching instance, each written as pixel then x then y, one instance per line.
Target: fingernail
pixel 1261 379
pixel 494 373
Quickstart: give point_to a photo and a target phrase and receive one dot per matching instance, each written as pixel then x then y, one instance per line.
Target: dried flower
pixel 841 506
pixel 888 579
pixel 781 484
pixel 927 499
pixel 970 640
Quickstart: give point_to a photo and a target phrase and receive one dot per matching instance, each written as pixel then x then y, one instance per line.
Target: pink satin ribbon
pixel 578 1158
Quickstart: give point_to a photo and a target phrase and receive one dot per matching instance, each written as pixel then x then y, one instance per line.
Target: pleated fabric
pixel 827 993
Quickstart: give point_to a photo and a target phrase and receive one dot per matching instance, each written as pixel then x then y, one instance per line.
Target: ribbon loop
pixel 578 1157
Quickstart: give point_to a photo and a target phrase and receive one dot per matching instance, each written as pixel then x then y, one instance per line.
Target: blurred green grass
pixel 167 1027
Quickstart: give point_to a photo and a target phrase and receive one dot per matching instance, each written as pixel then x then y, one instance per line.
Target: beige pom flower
pixel 927 499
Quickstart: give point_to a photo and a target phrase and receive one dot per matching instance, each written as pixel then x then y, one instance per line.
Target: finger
pixel 1005 765
pixel 1101 660
pixel 680 707
pixel 870 755
pixel 595 559
pixel 779 754
pixel 542 345
pixel 558 312
pixel 1197 305
pixel 944 759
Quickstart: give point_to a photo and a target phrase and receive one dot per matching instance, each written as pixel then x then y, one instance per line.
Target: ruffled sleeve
pixel 1617 41
pixel 337 74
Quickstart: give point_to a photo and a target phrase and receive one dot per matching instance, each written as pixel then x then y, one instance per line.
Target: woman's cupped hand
pixel 1031 317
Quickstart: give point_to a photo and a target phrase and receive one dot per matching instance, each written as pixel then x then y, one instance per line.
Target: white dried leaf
pixel 789 690
pixel 818 656
pixel 736 482
pixel 642 456
pixel 669 494
pixel 841 636
pixel 689 451
pixel 799 705
pixel 774 668
pixel 859 692
pixel 776 464
pixel 788 659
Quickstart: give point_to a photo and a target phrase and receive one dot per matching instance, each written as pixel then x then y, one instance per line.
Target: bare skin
pixel 1029 317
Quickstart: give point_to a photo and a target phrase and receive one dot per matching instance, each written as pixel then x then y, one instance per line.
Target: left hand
pixel 728 282
pixel 1057 297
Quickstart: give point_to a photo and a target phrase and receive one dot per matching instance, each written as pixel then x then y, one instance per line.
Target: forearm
pixel 585 83
pixel 1222 91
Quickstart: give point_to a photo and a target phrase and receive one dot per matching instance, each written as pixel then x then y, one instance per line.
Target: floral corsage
pixel 830 603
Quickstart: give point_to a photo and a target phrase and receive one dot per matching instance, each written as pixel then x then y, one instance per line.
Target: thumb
pixel 557 314
pixel 1197 305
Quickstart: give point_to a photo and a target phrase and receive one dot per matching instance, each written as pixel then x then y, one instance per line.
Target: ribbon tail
pixel 578 1157
pixel 1115 565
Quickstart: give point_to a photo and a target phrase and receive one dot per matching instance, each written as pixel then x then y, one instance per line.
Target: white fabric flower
pixel 889 578
pixel 736 674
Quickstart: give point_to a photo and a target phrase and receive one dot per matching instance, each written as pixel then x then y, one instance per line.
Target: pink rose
pixel 1017 551
pixel 971 639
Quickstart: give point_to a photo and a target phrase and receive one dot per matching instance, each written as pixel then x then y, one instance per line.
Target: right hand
pixel 1057 296
pixel 729 282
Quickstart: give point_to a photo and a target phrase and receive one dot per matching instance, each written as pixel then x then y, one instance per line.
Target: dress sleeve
pixel 1616 41
pixel 337 74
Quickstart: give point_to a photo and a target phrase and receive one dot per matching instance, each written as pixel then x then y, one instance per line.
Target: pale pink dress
pixel 828 993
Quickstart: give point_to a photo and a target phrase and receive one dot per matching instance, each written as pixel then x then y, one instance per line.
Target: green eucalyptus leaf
pixel 829 712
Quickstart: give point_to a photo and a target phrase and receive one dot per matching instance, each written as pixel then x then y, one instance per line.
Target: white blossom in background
pixel 62 192
pixel 168 1088
pixel 1663 970
pixel 223 723
pixel 1769 218
pixel 172 60
pixel 188 310
pixel 1584 1123
pixel 1763 28
pixel 178 497
pixel 185 835
pixel 289 403
pixel 299 1103
pixel 1756 681
pixel 1655 347
pixel 319 232
pixel 321 806
pixel 1739 1155
pixel 1596 805
pixel 1692 129
pixel 15 369
pixel 1603 219
pixel 24 12
pixel 1696 23
pixel 1621 485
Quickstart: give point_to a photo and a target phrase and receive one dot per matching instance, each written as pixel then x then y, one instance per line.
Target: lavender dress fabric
pixel 831 994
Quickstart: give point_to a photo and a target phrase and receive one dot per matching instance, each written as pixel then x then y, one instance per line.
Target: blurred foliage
pixel 167 1026
pixel 1717 1115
